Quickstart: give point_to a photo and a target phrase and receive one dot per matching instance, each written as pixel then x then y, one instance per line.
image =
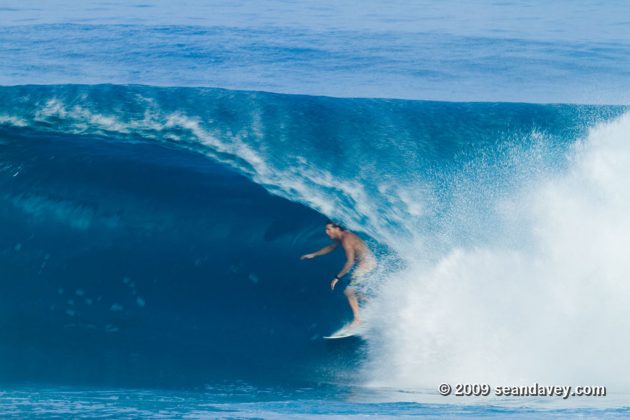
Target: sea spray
pixel 551 308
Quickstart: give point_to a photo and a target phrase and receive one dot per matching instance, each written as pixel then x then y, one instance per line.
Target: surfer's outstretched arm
pixel 325 250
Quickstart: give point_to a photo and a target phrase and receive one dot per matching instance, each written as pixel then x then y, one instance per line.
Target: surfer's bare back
pixel 356 252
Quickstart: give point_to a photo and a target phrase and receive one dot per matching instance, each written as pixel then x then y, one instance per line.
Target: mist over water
pixel 548 305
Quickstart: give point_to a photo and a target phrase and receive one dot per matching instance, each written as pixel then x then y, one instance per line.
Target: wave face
pixel 154 234
pixel 143 265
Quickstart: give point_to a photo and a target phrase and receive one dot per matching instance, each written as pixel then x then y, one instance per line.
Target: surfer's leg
pixel 354 305
pixel 359 286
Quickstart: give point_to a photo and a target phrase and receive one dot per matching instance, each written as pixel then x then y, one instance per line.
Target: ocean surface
pixel 568 51
pixel 163 167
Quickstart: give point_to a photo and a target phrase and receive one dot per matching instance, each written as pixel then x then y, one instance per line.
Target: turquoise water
pixel 245 401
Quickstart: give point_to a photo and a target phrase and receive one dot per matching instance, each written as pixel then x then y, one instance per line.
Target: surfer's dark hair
pixel 335 224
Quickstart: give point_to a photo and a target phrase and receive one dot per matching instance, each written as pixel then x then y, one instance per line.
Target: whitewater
pixel 154 207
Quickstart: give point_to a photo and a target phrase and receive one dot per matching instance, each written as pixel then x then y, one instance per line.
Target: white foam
pixel 13 121
pixel 551 308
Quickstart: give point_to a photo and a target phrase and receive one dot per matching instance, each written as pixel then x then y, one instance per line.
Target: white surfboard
pixel 340 335
pixel 344 332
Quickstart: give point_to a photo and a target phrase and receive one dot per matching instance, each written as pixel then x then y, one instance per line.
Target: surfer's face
pixel 332 231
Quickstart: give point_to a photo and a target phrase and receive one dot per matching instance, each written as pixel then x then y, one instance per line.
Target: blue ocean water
pixel 162 169
pixel 241 400
pixel 483 50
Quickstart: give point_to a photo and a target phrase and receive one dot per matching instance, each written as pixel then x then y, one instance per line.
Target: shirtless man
pixel 356 251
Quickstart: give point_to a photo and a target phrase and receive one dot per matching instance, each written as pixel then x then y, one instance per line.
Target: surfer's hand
pixel 307 256
pixel 333 283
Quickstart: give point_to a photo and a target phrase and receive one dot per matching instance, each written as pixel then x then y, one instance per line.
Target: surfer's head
pixel 334 230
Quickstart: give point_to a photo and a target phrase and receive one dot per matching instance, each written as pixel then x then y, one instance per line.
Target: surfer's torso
pixel 365 260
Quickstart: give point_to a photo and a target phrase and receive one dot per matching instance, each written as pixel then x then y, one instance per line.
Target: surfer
pixel 356 252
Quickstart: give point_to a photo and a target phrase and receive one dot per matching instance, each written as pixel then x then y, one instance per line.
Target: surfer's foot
pixel 354 324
